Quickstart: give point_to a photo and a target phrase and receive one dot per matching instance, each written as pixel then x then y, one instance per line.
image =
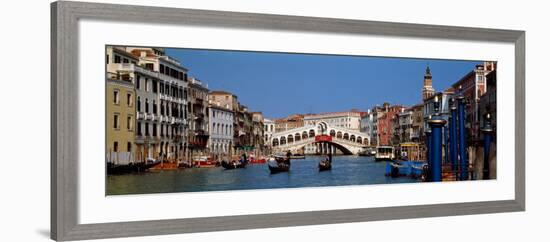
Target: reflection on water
pixel 346 170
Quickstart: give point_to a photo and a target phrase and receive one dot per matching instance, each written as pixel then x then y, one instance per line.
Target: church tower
pixel 427 90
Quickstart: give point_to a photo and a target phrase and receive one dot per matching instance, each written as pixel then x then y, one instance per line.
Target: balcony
pixel 140 115
pixel 169 79
pixel 131 68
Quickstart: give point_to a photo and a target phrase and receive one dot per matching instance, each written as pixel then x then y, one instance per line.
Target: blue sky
pixel 279 84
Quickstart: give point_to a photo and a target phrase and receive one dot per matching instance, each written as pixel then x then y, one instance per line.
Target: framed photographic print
pixel 169 120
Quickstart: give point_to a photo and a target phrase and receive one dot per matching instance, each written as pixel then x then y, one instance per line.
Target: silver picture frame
pixel 65 16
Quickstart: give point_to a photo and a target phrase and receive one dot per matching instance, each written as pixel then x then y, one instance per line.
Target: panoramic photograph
pixel 196 120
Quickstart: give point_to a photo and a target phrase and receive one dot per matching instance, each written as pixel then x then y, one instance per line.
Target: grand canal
pixel 346 170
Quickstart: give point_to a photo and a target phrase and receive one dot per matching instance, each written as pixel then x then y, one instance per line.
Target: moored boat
pixel 113 168
pixel 258 161
pixel 367 152
pixel 384 153
pixel 204 162
pixel 233 165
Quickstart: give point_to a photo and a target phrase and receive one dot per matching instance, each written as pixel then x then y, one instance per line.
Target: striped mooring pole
pixel 452 138
pixel 487 139
pixel 436 124
pixel 428 152
pixel 462 138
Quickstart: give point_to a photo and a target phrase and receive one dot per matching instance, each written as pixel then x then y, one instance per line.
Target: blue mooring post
pixel 487 139
pixel 462 139
pixel 436 124
pixel 453 138
pixel 429 153
pixel 446 142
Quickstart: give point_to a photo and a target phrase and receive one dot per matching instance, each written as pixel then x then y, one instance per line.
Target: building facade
pixel 269 129
pixel 288 123
pixel 220 122
pixel 197 105
pixel 120 115
pixel 404 130
pixel 159 100
pixel 258 133
pixel 350 120
pixel 472 86
pixel 385 123
pixel 488 101
pixel 417 131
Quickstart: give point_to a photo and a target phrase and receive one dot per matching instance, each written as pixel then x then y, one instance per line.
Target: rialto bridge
pixel 320 138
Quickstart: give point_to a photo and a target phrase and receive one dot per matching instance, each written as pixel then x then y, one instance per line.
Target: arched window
pixel 146 105
pixel 139 104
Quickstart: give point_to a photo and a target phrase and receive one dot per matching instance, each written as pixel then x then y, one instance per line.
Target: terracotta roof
pixel 221 92
pixel 137 52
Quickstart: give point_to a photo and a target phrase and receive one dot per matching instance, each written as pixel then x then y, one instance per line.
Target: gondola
pixel 325 166
pixel 280 167
pixel 233 165
pixel 129 168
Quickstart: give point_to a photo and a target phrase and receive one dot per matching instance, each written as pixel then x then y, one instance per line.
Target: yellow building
pixel 120 123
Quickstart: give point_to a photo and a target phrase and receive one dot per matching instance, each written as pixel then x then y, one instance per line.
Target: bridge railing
pixel 309 140
pixel 345 141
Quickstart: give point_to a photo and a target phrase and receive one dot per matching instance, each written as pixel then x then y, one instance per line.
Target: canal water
pixel 346 170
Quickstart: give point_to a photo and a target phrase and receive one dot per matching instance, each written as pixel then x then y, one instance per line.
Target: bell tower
pixel 427 90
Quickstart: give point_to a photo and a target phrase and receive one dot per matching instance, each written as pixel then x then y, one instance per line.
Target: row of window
pixel 222 115
pixel 129 122
pixel 119 59
pixel 332 120
pixel 128 146
pixel 172 109
pixel 161 130
pixel 155 86
pixel 166 70
pixel 166 108
pixel 129 98
pixel 225 129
